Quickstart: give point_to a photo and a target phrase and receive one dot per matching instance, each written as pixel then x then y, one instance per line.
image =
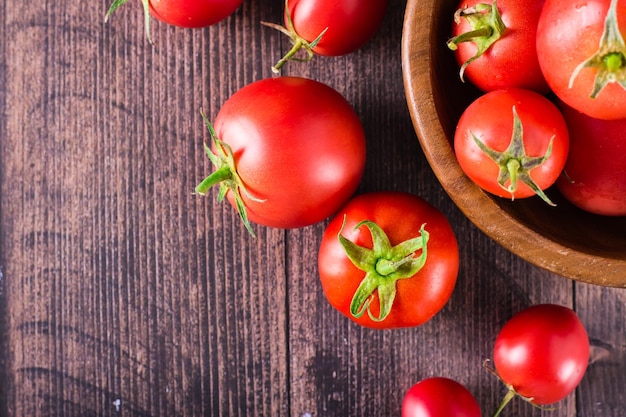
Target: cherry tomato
pixel 330 27
pixel 183 13
pixel 439 397
pixel 193 13
pixel 495 44
pixel 542 353
pixel 594 176
pixel 388 260
pixel 582 54
pixel 289 152
pixel 512 143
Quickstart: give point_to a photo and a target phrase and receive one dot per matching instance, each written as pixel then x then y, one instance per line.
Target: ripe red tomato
pixel 494 44
pixel 593 178
pixel 388 260
pixel 289 152
pixel 193 13
pixel 582 54
pixel 344 26
pixel 542 353
pixel 512 143
pixel 439 397
pixel 350 23
pixel 183 13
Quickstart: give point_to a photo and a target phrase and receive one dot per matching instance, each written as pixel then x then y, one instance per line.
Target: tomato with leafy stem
pixel 495 44
pixel 328 27
pixel 288 152
pixel 182 13
pixel 388 260
pixel 582 54
pixel 512 143
pixel 439 397
pixel 541 354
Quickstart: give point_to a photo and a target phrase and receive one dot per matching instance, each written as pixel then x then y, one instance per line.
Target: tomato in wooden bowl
pixel 563 239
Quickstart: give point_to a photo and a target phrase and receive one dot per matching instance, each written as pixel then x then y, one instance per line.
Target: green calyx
pixel 146 14
pixel 225 175
pixel 298 42
pixel 487 27
pixel 383 265
pixel 610 59
pixel 514 164
pixel 511 393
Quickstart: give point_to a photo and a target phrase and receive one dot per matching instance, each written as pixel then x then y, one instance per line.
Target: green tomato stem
pixel 487 27
pixel 470 36
pixel 216 177
pixel 383 265
pixel 514 164
pixel 513 167
pixel 298 41
pixel 146 14
pixel 297 45
pixel 505 401
pixel 609 61
pixel 614 61
pixel 225 175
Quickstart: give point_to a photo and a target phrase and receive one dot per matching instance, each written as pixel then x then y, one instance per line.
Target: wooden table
pixel 123 294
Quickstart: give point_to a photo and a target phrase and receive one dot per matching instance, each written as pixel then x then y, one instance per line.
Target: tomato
pixel 193 13
pixel 388 260
pixel 541 353
pixel 495 44
pixel 289 152
pixel 594 176
pixel 330 27
pixel 439 397
pixel 184 13
pixel 512 143
pixel 582 54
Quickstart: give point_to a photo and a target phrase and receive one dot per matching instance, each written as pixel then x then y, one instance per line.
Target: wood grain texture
pixel 123 294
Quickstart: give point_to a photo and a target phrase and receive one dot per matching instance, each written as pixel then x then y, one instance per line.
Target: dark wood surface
pixel 123 294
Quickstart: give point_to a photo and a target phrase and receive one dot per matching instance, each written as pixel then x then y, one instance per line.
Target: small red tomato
pixel 183 13
pixel 495 44
pixel 193 13
pixel 288 152
pixel 594 177
pixel 512 143
pixel 439 397
pixel 542 353
pixel 388 260
pixel 330 27
pixel 582 54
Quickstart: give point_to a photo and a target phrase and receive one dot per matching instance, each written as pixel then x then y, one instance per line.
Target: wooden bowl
pixel 562 239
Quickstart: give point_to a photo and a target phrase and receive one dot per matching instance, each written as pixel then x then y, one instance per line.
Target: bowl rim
pixel 417 71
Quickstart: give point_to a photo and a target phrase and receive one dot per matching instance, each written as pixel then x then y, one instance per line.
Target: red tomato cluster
pixel 289 152
pixel 512 143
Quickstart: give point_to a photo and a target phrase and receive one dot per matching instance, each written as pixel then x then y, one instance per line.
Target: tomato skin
pixel 594 177
pixel 400 215
pixel 542 352
pixel 193 13
pixel 298 146
pixel 439 397
pixel 512 60
pixel 490 119
pixel 568 33
pixel 351 23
